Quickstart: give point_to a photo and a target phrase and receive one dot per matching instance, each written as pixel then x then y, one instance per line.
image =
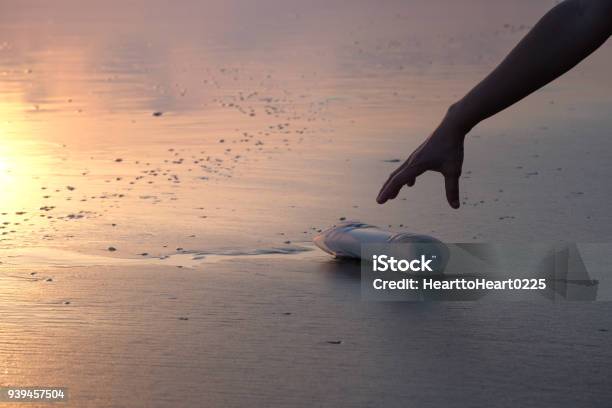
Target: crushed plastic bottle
pixel 346 240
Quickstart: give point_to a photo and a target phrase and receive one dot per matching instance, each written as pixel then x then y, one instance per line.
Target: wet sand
pixel 290 332
pixel 132 141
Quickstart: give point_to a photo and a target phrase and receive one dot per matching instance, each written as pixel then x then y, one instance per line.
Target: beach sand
pixel 290 332
pixel 166 168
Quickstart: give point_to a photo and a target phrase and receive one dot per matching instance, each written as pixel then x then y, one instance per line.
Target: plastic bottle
pixel 346 240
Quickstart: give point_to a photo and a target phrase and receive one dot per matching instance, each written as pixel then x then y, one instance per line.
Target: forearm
pixel 559 41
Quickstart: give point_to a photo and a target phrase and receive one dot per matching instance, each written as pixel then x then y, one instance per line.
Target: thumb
pixel 451 184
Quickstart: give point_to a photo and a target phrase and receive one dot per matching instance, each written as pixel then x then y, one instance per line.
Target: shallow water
pixel 277 120
pixel 239 127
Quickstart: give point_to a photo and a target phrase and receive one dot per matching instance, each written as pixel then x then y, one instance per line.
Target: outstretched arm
pixel 559 41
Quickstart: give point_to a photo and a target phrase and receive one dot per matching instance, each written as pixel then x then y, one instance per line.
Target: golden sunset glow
pixel 187 187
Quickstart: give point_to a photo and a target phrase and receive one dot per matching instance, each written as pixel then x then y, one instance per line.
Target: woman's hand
pixel 566 35
pixel 441 152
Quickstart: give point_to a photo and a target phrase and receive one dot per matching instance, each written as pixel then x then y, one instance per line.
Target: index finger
pixel 396 181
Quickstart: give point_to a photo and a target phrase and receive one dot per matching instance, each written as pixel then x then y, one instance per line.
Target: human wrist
pixel 457 120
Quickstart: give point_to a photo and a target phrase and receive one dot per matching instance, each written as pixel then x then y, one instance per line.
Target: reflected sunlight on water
pixel 204 124
pixel 164 166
